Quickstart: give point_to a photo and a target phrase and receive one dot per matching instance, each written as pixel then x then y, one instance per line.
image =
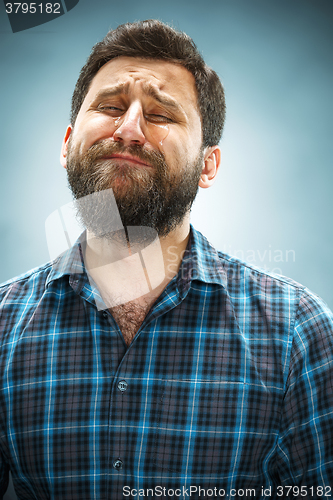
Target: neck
pixel 126 269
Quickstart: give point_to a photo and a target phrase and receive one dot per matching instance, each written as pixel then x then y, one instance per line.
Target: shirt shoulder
pixel 22 296
pixel 33 283
pixel 31 280
pixel 251 289
pixel 19 298
pixel 238 269
pixel 277 296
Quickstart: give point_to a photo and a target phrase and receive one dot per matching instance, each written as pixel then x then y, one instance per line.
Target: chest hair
pixel 129 318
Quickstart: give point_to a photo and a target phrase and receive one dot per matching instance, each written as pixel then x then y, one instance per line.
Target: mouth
pixel 126 159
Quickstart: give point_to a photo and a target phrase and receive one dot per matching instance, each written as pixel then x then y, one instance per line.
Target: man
pixel 122 377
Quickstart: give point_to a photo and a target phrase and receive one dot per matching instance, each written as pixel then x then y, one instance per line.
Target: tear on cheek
pixel 157 133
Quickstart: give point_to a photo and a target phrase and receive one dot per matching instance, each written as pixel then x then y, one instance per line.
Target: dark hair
pixel 153 39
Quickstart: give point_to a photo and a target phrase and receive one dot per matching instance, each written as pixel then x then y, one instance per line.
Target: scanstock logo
pixel 26 15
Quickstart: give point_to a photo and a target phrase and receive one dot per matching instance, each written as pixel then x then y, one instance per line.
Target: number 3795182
pixel 33 8
pixel 304 491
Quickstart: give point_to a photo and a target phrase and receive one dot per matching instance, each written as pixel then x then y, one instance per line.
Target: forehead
pixel 167 77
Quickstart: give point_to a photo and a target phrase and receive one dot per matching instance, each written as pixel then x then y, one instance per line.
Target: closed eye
pixel 159 118
pixel 110 108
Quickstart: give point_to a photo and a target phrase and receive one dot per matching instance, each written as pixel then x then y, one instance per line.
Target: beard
pixel 153 197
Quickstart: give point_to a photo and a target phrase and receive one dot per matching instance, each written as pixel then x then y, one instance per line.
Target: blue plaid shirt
pixel 225 390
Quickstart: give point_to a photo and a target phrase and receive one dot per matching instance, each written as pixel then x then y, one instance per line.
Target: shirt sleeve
pixel 305 444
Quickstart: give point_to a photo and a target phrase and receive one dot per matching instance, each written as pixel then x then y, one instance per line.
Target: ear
pixel 212 160
pixel 64 147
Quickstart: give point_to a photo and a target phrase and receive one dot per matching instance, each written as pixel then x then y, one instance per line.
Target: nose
pixel 129 131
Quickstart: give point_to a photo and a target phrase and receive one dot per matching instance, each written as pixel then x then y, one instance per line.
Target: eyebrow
pixel 148 89
pixel 121 88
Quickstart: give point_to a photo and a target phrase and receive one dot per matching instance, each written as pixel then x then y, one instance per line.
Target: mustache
pixel 106 148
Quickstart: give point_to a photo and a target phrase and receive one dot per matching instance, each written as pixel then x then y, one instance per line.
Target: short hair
pixel 152 39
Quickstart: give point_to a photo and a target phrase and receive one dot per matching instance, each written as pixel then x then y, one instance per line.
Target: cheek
pixel 183 145
pixel 97 129
pixel 176 157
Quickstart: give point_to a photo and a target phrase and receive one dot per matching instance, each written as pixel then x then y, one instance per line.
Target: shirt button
pixel 105 314
pixel 118 464
pixel 122 385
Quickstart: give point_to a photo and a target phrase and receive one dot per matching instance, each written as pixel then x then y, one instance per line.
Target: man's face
pixel 138 132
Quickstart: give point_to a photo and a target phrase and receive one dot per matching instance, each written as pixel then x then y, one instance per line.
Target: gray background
pixel 272 203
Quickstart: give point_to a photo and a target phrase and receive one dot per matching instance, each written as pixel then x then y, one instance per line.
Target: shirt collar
pixel 201 262
pixel 69 263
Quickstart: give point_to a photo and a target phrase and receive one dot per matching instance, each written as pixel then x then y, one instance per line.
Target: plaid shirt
pixel 227 386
